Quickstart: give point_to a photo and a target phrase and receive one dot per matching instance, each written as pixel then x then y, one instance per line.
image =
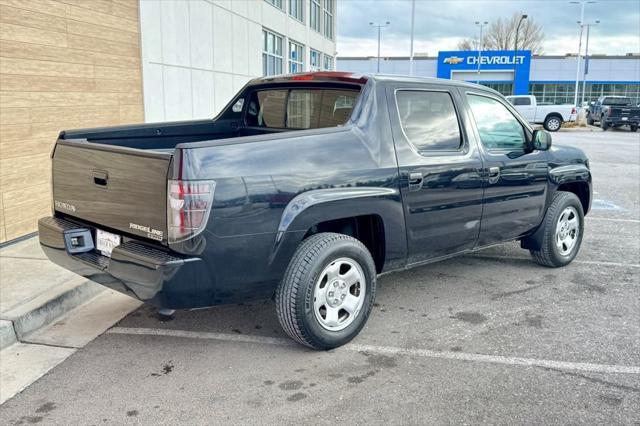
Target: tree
pixel 501 35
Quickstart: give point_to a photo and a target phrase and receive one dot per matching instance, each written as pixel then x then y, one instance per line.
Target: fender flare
pixel 320 205
pixel 571 173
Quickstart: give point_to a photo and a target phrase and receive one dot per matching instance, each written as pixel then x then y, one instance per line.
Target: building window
pixel 314 15
pixel 328 19
pixel 296 57
pixel 271 53
pixel 276 3
pixel 328 62
pixel 296 9
pixel 314 60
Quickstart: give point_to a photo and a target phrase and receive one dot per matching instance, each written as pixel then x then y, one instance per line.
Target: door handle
pixel 415 181
pixel 494 174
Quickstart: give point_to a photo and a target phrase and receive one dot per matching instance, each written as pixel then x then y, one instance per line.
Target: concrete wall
pixel 63 64
pixel 197 53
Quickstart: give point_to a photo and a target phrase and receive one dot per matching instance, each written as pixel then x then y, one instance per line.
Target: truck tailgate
pixel 118 188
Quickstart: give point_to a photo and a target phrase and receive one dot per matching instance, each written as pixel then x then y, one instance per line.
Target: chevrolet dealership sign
pixel 516 63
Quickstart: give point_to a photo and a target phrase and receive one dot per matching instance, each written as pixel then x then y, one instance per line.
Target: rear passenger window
pixel 429 120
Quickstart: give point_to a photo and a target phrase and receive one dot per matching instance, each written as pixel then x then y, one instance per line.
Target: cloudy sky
pixel 439 25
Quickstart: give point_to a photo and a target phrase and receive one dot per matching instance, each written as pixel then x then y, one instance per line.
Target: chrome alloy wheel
pixel 339 294
pixel 554 124
pixel 567 230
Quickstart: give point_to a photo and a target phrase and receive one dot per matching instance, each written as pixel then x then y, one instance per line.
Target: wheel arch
pixel 554 114
pixel 372 215
pixel 581 190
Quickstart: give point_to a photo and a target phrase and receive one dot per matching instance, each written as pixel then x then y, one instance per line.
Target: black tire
pixel 634 128
pixel 590 121
pixel 604 125
pixel 552 123
pixel 549 254
pixel 295 295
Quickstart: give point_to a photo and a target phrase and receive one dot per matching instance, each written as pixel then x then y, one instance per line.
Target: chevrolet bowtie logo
pixel 453 60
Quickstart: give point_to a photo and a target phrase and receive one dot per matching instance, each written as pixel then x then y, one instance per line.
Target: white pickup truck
pixel 550 116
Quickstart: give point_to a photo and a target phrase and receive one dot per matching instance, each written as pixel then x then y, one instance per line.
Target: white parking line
pixel 423 353
pixel 610 219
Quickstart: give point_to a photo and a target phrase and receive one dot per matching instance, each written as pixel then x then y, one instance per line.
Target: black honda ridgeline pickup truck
pixel 304 189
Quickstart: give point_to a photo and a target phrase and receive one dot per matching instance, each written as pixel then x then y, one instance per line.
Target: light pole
pixel 586 59
pixel 515 53
pixel 481 25
pixel 582 3
pixel 413 18
pixel 379 26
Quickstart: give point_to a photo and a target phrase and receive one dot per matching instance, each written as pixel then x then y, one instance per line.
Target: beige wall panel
pixel 28 18
pixel 15 149
pixel 93 44
pixel 44 68
pixel 41 99
pixel 14 49
pixel 42 83
pixel 63 64
pixel 91 16
pixel 52 7
pixel 32 35
pixel 105 33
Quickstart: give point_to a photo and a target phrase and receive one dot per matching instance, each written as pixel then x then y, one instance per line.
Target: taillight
pixel 573 110
pixel 188 207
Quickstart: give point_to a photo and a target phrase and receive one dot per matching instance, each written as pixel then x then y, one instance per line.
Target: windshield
pixel 617 101
pixel 300 108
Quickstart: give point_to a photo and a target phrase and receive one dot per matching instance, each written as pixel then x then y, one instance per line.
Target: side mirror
pixel 541 140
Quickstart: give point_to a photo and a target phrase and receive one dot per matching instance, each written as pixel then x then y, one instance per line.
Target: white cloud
pixel 441 24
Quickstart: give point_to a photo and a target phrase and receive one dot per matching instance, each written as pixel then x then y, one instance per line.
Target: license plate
pixel 625 118
pixel 106 241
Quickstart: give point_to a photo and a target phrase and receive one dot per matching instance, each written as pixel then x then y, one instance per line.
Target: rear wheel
pixel 563 227
pixel 553 123
pixel 327 292
pixel 590 121
pixel 634 128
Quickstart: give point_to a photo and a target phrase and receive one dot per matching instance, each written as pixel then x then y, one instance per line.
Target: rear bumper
pixel 618 121
pixel 151 275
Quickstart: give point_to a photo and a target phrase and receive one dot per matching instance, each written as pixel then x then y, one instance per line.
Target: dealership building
pixel 89 63
pixel 550 78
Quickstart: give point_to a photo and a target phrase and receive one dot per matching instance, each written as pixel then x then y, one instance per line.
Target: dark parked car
pixel 614 111
pixel 304 189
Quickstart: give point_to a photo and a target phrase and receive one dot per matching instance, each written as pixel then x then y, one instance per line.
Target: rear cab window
pixel 519 101
pixel 429 120
pixel 300 108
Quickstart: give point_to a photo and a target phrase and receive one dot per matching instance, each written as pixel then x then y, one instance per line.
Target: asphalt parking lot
pixel 485 338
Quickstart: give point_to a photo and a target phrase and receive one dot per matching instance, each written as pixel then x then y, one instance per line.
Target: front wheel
pixel 327 292
pixel 604 125
pixel 552 123
pixel 563 227
pixel 634 128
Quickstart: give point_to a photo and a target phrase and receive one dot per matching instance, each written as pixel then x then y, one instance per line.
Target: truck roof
pixel 358 78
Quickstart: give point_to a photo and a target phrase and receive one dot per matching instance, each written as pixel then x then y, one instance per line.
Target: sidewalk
pixel 46 314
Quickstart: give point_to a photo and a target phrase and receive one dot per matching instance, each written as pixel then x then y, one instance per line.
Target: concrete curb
pixel 7 334
pixel 45 308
